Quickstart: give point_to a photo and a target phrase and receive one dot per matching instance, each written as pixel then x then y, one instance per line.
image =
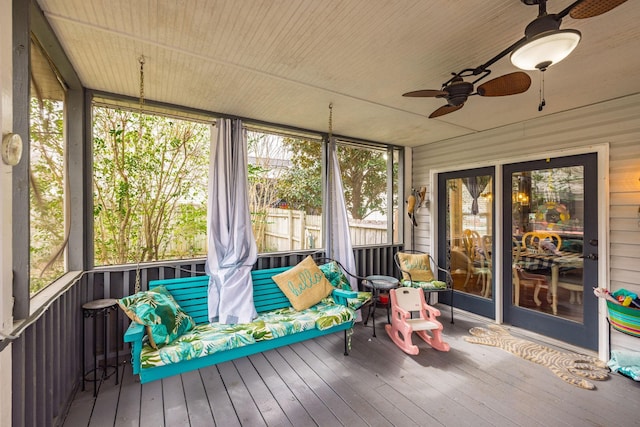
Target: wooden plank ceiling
pixel 284 61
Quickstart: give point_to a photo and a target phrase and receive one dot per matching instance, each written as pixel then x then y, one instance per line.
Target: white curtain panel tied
pixel 232 247
pixel 339 240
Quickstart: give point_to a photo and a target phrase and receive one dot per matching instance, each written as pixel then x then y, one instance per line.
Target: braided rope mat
pixel 572 368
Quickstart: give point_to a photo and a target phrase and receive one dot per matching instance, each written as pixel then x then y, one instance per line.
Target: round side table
pixel 377 284
pixel 93 310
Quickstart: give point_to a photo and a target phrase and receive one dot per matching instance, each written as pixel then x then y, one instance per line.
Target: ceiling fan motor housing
pixel 542 24
pixel 458 92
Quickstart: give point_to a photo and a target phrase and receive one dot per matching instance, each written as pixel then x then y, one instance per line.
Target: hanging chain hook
pixel 330 120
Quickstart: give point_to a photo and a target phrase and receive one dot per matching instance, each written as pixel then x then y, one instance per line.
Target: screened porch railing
pixel 47 356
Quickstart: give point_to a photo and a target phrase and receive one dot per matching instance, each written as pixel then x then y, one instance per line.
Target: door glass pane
pixel 548 218
pixel 469 233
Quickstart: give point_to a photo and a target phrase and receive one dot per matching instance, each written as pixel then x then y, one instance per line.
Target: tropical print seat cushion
pixel 436 285
pixel 356 302
pixel 206 339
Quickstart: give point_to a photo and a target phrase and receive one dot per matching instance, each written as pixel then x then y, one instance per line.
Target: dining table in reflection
pixel 530 260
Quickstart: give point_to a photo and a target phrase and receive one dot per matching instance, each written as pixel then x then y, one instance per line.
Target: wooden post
pixel 290 237
pixel 303 226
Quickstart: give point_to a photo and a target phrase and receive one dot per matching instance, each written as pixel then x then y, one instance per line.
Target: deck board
pixel 106 402
pixel 490 375
pixel 175 407
pixel 322 388
pixel 80 410
pixel 224 413
pixel 198 406
pixel 312 383
pixel 316 408
pixel 262 397
pixel 422 391
pixel 151 402
pixel 295 413
pixel 248 412
pixel 355 398
pixel 522 379
pixel 128 401
pixel 366 383
pixel 434 390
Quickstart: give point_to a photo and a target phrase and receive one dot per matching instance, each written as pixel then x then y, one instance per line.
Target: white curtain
pixel 338 240
pixel 232 247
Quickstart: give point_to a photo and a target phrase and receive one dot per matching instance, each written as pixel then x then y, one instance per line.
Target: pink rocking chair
pixel 403 302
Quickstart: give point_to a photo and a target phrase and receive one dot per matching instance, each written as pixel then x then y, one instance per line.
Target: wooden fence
pixel 282 230
pixel 287 230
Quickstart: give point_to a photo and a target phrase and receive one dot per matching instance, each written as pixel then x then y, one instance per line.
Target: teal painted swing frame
pixel 191 294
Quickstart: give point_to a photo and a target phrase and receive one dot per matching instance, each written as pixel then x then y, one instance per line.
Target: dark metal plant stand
pixel 94 309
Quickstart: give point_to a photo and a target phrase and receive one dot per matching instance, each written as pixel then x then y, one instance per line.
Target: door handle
pixel 593 257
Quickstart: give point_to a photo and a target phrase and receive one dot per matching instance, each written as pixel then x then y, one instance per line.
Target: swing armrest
pixel 134 335
pixel 135 332
pixel 340 296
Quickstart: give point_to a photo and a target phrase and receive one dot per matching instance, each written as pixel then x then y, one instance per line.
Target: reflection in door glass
pixel 548 212
pixel 469 234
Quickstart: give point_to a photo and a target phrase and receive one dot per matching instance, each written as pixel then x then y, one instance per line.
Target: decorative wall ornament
pixel 11 149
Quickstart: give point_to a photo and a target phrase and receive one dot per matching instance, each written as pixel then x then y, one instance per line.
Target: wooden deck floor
pixel 312 383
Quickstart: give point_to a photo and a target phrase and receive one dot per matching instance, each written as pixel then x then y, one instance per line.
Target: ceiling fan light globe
pixel 545 49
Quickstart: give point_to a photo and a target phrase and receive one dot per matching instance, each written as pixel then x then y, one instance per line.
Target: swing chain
pixel 141 60
pixel 140 131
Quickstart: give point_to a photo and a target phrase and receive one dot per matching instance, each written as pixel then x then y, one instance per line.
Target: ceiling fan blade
pixel 591 8
pixel 426 93
pixel 509 84
pixel 445 109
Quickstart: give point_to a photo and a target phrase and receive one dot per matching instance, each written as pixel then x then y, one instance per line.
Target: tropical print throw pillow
pixel 160 313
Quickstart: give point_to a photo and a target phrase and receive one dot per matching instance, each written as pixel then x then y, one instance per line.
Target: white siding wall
pixel 6 103
pixel 616 123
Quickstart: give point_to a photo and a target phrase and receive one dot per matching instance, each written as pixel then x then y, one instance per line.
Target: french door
pixel 465 236
pixel 550 247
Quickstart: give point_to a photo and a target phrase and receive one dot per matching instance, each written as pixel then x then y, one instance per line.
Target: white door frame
pixel 602 152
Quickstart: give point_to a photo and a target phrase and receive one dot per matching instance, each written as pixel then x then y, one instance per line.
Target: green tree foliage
pixel 47 192
pixel 364 178
pixel 150 177
pixel 301 185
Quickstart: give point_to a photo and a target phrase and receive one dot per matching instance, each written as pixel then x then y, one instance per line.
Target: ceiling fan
pixel 533 51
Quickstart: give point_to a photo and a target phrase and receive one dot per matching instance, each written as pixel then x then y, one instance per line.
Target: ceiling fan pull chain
pixel 542 101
